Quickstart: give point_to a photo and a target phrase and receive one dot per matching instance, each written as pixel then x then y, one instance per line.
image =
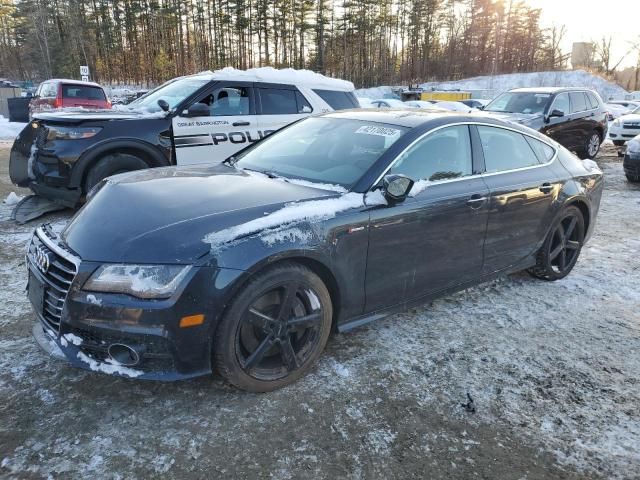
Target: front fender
pixel 153 154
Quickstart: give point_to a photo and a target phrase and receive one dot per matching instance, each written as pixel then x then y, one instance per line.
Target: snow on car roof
pixel 70 80
pixel 289 76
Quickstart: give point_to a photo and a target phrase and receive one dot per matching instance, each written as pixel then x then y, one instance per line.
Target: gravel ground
pixel 552 368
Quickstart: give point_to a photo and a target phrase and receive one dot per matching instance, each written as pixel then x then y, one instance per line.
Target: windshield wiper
pixel 264 172
pixel 230 161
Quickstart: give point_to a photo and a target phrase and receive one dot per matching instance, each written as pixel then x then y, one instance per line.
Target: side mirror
pixel 396 188
pixel 198 110
pixel 481 107
pixel 164 105
pixel 556 113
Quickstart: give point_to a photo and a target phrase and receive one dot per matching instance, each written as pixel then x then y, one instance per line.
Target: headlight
pixel 633 146
pixel 71 133
pixel 616 122
pixel 142 281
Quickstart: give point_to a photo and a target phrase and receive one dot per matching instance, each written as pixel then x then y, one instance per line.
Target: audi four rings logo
pixel 41 259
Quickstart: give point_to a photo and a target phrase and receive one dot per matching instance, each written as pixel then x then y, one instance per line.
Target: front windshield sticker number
pixel 380 131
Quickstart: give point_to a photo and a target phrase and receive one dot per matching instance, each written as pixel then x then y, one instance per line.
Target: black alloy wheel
pixel 275 330
pixel 593 146
pixel 559 253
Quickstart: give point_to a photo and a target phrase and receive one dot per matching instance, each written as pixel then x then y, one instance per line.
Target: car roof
pixel 74 82
pixel 287 76
pixel 550 89
pixel 412 118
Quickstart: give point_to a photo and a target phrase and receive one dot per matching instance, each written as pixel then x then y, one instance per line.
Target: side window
pixel 338 100
pixel 303 104
pixel 543 151
pixel 444 154
pixel 593 101
pixel 561 103
pixel 505 150
pixel 278 101
pixel 228 101
pixel 49 90
pixel 578 102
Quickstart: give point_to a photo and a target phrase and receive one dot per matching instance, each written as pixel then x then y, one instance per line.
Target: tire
pixel 112 165
pixel 592 146
pixel 261 344
pixel 633 178
pixel 561 249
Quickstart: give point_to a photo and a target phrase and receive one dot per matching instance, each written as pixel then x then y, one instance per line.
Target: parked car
pixel 390 103
pixel 454 106
pixel 201 118
pixel 424 104
pixel 574 117
pixel 615 111
pixel 476 103
pixel 61 93
pixel 625 128
pixel 628 104
pixel 631 162
pixel 244 268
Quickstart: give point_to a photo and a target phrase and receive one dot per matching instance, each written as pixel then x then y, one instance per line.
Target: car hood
pixel 162 215
pixel 77 115
pixel 523 118
pixel 632 117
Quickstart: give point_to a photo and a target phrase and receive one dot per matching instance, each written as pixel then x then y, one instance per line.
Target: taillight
pixel 57 103
pixel 108 104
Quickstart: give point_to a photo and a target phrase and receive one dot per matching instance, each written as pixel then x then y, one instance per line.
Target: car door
pixel 434 239
pixel 280 105
pixel 230 125
pixel 523 186
pixel 560 128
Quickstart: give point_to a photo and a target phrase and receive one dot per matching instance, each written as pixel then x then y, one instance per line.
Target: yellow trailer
pixel 452 96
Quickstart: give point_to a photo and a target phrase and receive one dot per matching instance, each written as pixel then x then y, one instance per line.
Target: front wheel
pixel 560 250
pixel 275 329
pixel 112 164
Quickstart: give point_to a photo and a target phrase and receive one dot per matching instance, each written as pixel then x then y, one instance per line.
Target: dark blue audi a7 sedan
pixel 244 268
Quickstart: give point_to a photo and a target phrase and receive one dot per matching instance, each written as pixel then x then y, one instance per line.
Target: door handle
pixel 476 201
pixel 546 188
pixel 240 124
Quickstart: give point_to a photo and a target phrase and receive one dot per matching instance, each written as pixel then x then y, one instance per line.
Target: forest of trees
pixel 370 42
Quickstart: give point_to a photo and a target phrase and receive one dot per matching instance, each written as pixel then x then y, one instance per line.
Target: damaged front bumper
pixel 86 328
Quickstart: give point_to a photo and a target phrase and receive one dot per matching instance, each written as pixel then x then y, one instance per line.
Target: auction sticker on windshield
pixel 381 131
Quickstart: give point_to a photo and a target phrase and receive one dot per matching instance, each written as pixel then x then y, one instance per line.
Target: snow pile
pixel 10 130
pixel 285 75
pixel 70 338
pixel 12 199
pixel 502 83
pixel 286 235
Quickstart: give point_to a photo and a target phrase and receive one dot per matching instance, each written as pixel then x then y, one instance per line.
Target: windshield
pixel 173 92
pixel 328 150
pixel 637 110
pixel 519 102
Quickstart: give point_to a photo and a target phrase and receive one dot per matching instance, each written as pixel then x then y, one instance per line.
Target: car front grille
pixel 62 268
pixel 635 125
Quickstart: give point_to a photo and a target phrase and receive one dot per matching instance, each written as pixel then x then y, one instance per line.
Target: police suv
pixel 202 118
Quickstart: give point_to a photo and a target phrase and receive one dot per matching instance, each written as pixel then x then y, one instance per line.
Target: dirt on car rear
pixel 517 378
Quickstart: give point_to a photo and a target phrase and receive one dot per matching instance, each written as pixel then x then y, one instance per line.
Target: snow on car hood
pixel 76 115
pixel 161 215
pixel 631 117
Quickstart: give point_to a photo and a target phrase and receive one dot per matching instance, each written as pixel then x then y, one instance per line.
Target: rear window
pixel 278 101
pixel 83 91
pixel 48 90
pixel 578 102
pixel 592 100
pixel 338 100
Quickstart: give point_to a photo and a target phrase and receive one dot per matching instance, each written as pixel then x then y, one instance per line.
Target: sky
pixel 590 20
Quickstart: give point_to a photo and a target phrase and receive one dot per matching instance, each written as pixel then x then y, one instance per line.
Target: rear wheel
pixel 112 165
pixel 275 329
pixel 592 147
pixel 560 250
pixel 633 178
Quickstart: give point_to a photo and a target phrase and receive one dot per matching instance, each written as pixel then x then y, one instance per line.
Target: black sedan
pixel 245 268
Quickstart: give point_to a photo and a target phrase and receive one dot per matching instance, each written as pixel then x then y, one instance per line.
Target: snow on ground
pixel 553 369
pixel 9 130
